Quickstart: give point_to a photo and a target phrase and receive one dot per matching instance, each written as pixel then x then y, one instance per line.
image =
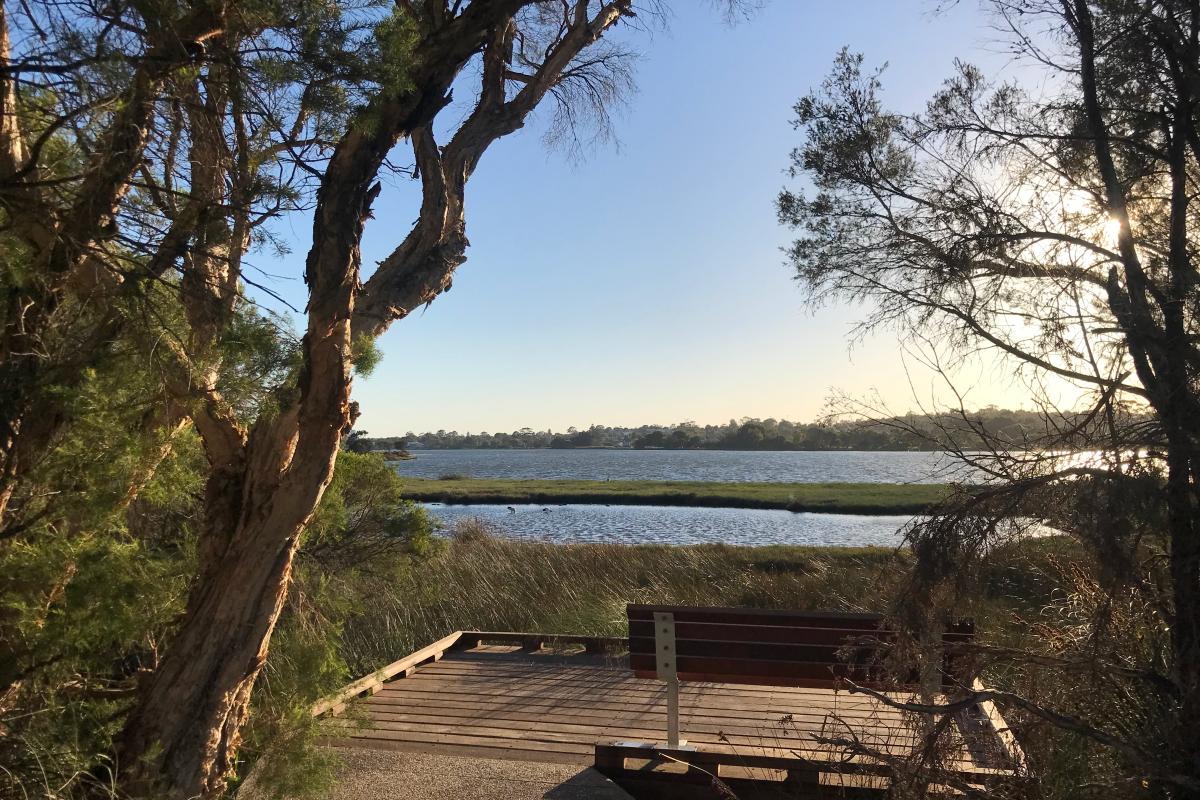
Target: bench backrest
pixel 782 648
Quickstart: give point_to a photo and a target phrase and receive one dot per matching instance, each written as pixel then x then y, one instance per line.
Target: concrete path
pixel 392 775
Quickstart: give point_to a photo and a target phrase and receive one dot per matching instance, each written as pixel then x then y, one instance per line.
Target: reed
pixel 484 582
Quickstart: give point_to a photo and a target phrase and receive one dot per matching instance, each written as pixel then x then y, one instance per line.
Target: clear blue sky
pixel 645 284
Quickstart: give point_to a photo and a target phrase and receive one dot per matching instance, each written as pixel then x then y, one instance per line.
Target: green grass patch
pixel 834 498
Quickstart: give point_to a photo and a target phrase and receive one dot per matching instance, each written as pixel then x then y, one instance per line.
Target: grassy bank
pixel 484 582
pixel 835 498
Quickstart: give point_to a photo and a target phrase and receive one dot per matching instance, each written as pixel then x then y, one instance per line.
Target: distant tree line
pixel 910 432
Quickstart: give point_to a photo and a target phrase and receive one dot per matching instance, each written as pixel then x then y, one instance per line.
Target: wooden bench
pixel 817 649
pixel 808 649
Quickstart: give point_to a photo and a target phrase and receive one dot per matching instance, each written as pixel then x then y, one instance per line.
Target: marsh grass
pixel 478 580
pixel 484 582
pixel 840 498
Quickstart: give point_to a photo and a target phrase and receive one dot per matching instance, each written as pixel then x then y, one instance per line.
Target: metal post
pixel 673 712
pixel 664 646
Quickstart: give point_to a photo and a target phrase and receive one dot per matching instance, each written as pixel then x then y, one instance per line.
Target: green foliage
pixel 93 587
pixel 122 430
pixel 258 356
pixel 389 54
pixel 99 549
pixel 80 616
pixel 395 38
pixel 355 442
pixel 363 514
pixel 909 432
pixel 365 355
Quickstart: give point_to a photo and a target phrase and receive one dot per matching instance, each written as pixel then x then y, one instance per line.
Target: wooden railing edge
pixel 370 684
pixel 535 641
pixel 1008 740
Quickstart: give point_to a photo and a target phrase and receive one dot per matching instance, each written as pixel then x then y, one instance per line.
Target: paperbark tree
pixel 266 478
pixel 1059 231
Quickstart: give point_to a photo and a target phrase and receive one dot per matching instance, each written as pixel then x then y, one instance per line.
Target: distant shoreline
pixel 830 498
pixel 906 433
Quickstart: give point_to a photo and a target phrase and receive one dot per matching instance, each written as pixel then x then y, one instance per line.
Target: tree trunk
pixel 182 738
pixel 1183 506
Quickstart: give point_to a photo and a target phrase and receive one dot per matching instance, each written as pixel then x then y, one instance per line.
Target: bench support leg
pixel 673 712
pixel 664 647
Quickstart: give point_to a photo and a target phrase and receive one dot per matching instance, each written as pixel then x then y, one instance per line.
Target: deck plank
pixel 502 702
pixel 581 709
pixel 448 670
pixel 897 742
pixel 690 700
pixel 580 680
pixel 585 711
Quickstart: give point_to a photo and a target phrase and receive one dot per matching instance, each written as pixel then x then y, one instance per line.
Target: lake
pixel 678 525
pixel 685 465
pixel 675 524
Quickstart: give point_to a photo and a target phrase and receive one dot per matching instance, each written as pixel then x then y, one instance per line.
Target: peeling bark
pixel 13 152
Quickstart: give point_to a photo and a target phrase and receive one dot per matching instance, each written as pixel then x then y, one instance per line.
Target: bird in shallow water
pixel 510 508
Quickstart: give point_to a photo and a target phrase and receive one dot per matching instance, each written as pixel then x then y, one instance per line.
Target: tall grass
pixel 483 582
pixel 480 581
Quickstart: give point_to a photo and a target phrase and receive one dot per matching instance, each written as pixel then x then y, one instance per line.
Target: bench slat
pixel 754 616
pixel 787 648
pixel 781 634
pixel 748 667
pixel 761 651
pixel 784 634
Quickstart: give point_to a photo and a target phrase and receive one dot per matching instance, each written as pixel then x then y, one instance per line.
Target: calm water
pixel 674 524
pixel 684 465
pixel 678 525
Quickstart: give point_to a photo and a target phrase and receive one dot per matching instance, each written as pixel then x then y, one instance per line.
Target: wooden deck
pixel 508 702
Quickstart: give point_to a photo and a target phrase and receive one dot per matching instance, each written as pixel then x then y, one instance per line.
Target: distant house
pixel 414 446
